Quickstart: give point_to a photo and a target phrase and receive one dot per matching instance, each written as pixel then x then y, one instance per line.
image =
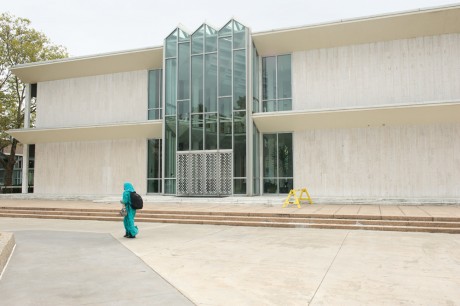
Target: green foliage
pixel 19 44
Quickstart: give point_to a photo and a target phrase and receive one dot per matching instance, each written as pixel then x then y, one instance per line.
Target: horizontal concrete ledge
pixel 7 244
pixel 122 130
pixel 267 200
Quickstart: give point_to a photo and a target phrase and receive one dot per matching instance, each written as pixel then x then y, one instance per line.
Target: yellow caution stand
pixel 292 197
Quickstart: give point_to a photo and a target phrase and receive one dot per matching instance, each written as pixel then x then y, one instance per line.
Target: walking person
pixel 128 221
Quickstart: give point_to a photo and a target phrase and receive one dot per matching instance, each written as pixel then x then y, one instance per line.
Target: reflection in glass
pixel 239 79
pixel 198 41
pixel 270 155
pixel 225 66
pixel 269 78
pixel 183 125
pixel 197 83
pixel 285 155
pixel 211 131
pixel 197 132
pixel 225 108
pixel 210 39
pixel 270 186
pixel 210 83
pixel 227 29
pixel 170 91
pixel 284 76
pixel 170 146
pixel 183 86
pixel 171 45
pixel 239 36
pixel 239 186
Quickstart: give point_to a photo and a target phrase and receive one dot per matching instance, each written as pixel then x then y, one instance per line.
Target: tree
pixel 19 44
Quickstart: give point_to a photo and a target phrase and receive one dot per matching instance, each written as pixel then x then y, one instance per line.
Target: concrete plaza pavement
pixel 222 265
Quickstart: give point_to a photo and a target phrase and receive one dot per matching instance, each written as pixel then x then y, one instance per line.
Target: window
pixel 154 166
pixel 276 83
pixel 155 91
pixel 277 163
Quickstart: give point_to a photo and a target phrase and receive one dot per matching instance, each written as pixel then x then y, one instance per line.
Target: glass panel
pixel 270 186
pixel 183 36
pixel 225 66
pixel 284 76
pixel 256 186
pixel 197 84
pixel 154 159
pixel 198 41
pixel 285 162
pixel 210 83
pixel 255 80
pixel 256 159
pixel 154 88
pixel 183 125
pixel 239 186
pixel 239 36
pixel 284 105
pixel 197 132
pixel 225 134
pixel 286 185
pixel 170 91
pixel 153 186
pixel 211 39
pixel 170 186
pixel 239 79
pixel 170 146
pixel 239 144
pixel 154 114
pixel 269 78
pixel 225 108
pixel 269 106
pixel 270 155
pixel 171 45
pixel 183 86
pixel 227 29
pixel 211 131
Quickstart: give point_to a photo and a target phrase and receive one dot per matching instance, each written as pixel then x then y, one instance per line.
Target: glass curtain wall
pixel 205 97
pixel 154 166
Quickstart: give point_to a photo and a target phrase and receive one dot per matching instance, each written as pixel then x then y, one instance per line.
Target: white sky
pixel 88 27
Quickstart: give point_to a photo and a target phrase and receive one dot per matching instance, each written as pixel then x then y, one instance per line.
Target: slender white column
pixel 25 150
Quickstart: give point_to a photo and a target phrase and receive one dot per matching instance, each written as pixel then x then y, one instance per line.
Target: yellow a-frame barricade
pixel 292 197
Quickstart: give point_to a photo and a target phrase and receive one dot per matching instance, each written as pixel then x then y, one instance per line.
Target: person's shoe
pixel 126 235
pixel 129 236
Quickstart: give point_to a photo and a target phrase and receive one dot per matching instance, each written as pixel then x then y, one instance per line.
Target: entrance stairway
pixel 234 218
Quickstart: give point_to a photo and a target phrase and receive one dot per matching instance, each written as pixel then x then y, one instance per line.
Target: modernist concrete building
pixel 366 108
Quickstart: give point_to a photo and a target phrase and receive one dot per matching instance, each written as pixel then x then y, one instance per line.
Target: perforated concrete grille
pixel 204 173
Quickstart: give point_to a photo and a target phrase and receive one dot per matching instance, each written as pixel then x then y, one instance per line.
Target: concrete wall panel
pixel 87 168
pixel 423 69
pixel 111 98
pixel 390 162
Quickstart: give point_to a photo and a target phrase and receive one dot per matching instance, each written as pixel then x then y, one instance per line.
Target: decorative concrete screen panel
pixel 204 173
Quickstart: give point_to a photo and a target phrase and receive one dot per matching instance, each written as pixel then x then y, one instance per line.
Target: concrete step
pixel 412 224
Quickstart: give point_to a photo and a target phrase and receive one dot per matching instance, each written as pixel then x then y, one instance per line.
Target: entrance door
pixel 204 173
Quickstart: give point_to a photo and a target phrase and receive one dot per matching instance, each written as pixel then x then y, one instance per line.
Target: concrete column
pixel 25 150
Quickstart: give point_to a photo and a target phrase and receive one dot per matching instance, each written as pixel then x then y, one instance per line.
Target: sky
pixel 88 27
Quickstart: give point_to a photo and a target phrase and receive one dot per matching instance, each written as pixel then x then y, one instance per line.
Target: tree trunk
pixel 10 167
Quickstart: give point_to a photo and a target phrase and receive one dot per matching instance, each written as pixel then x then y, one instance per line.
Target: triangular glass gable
pixel 227 29
pixel 183 36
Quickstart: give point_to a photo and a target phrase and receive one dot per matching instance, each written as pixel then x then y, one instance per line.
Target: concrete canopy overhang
pixel 417 23
pixel 124 61
pixel 147 130
pixel 294 121
pixel 403 25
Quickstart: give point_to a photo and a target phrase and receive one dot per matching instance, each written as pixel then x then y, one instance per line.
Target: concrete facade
pixel 406 161
pixel 387 67
pixel 91 167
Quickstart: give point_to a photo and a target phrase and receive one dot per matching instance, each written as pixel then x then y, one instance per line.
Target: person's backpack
pixel 136 201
